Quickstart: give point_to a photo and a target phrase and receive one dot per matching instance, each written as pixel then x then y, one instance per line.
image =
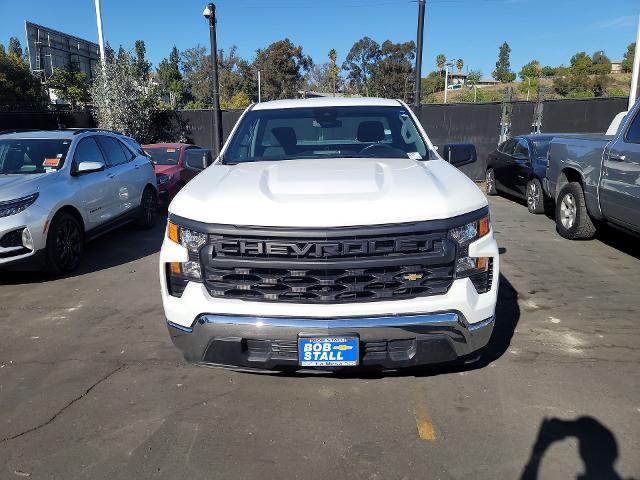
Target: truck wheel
pixel 65 244
pixel 572 219
pixel 148 209
pixel 490 179
pixel 535 196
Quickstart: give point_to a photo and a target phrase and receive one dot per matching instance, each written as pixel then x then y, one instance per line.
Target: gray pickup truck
pixel 596 179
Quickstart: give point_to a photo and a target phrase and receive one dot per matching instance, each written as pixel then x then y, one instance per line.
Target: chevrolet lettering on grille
pixel 323 249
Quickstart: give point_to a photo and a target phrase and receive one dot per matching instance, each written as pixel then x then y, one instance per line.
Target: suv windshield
pixel 33 155
pixel 163 155
pixel 326 132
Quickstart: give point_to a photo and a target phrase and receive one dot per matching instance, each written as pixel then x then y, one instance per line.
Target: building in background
pixel 48 49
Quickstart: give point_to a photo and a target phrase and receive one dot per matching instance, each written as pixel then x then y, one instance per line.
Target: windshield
pixel 326 132
pixel 33 155
pixel 163 155
pixel 542 147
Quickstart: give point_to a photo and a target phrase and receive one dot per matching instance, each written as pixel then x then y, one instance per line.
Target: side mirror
pixel 458 154
pixel 89 167
pixel 196 161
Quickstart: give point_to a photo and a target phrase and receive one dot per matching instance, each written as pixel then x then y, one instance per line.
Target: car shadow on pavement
pixel 625 242
pixel 122 245
pixel 597 446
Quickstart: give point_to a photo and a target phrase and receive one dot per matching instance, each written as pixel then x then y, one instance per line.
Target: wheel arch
pixel 71 210
pixel 567 175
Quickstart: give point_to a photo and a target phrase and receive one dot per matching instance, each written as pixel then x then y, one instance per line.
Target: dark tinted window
pixel 88 151
pixel 113 151
pixel 197 155
pixel 18 156
pixel 633 134
pixel 127 152
pixel 521 148
pixel 507 147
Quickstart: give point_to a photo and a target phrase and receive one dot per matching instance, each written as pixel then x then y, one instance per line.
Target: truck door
pixel 620 183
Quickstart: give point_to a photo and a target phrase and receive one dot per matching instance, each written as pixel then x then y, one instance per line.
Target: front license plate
pixel 328 351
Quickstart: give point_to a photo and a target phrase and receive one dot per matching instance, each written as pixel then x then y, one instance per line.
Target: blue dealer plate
pixel 328 351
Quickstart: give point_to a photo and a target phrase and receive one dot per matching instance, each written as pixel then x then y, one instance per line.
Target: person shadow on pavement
pixel 597 446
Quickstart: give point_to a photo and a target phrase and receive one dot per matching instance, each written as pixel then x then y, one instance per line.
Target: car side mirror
pixel 89 167
pixel 196 163
pixel 458 154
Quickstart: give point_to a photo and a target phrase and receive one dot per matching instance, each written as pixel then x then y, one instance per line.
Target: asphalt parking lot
pixel 91 386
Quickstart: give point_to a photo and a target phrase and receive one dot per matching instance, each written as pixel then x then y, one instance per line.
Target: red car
pixel 171 171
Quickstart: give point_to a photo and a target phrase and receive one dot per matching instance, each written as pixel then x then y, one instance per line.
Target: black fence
pixel 477 123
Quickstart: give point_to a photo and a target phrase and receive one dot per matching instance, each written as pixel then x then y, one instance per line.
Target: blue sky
pixel 548 30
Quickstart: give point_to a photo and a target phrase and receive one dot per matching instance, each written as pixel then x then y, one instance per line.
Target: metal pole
pixel 418 87
pixel 446 81
pixel 259 88
pixel 636 66
pixel 100 36
pixel 217 114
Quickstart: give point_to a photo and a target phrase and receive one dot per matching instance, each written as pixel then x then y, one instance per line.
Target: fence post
pixel 505 119
pixel 536 125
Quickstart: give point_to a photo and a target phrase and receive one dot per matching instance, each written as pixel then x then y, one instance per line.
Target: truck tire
pixel 535 196
pixel 65 244
pixel 148 209
pixel 572 218
pixel 490 179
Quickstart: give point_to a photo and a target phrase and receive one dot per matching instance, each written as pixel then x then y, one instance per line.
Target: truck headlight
pixel 179 273
pixel 478 268
pixel 11 207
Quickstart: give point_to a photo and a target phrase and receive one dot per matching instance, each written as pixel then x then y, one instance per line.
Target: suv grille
pixel 345 266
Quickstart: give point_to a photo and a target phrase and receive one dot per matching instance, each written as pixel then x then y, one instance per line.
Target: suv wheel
pixel 148 209
pixel 572 218
pixel 535 196
pixel 65 244
pixel 490 179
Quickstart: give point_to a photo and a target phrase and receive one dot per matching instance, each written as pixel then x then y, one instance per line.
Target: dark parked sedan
pixel 517 167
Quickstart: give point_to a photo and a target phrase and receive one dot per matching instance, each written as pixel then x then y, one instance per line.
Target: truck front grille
pixel 343 266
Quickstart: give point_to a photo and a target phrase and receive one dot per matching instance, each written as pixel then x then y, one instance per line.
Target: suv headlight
pixel 463 236
pixel 163 179
pixel 179 273
pixel 11 207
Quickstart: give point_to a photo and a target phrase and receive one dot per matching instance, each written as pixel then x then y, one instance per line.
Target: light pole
pixel 100 36
pixel 216 123
pixel 446 79
pixel 418 72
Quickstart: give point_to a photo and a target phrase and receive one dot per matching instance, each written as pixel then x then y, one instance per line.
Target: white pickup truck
pixel 329 234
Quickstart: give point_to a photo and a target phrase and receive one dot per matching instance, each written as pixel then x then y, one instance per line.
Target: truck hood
pixel 16 186
pixel 328 193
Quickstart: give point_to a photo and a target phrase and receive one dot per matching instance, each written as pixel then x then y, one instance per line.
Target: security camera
pixel 209 10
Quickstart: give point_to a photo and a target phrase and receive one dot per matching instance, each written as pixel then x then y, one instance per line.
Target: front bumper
pixel 34 218
pixel 387 342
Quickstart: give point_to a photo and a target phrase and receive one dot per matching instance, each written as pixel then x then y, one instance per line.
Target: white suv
pixel 61 188
pixel 329 233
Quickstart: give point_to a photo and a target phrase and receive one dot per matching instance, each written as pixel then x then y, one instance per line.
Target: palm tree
pixel 440 61
pixel 459 64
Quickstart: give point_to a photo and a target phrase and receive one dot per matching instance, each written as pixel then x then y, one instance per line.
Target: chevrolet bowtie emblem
pixel 342 347
pixel 412 277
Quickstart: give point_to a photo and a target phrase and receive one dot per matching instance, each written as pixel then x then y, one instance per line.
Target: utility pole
pixel 216 122
pixel 100 36
pixel 636 66
pixel 416 100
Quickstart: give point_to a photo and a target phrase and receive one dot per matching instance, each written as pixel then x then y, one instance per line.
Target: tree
pixel 18 86
pixel 196 67
pixel 141 67
pixel 601 65
pixel 123 100
pixel 581 64
pixel 502 73
pixel 531 70
pixel 281 65
pixel 392 75
pixel 71 85
pixel 432 83
pixel 238 101
pixel 232 72
pixel 459 64
pixel 15 48
pixel 319 78
pixel 441 59
pixel 170 78
pixel 627 61
pixel 473 77
pixel 359 64
pixel 333 68
pixel 549 71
